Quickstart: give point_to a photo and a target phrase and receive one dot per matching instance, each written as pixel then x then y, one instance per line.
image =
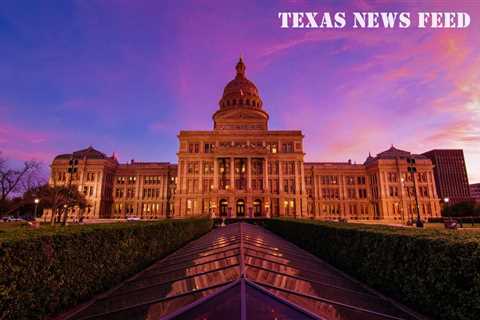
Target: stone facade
pixel 115 190
pixel 243 169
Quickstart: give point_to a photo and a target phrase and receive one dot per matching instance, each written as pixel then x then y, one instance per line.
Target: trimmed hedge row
pixel 435 272
pixel 45 271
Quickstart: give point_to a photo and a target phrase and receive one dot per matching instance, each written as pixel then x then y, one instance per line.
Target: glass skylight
pixel 242 271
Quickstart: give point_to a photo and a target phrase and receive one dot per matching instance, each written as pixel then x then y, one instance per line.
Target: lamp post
pixel 446 200
pixel 36 201
pixel 412 170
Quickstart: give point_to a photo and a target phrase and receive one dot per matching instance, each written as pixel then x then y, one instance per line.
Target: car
pixel 8 219
pixel 133 218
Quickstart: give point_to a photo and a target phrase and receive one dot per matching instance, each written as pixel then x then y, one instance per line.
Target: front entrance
pixel 257 208
pixel 223 208
pixel 240 208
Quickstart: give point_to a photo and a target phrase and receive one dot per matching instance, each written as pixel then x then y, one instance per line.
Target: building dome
pixel 240 92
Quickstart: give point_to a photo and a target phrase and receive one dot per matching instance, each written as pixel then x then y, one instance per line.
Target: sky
pixel 126 76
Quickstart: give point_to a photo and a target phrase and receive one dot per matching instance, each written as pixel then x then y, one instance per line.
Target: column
pixel 298 203
pixel 215 174
pixel 265 175
pixel 200 177
pixel 280 185
pixel 232 173
pixel 249 174
pixel 184 177
pixel 303 190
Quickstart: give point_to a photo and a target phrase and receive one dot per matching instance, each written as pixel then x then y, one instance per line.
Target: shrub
pixel 436 272
pixel 461 209
pixel 45 271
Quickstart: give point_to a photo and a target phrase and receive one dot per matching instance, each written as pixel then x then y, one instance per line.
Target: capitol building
pixel 240 168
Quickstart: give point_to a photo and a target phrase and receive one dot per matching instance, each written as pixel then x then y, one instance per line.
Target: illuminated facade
pixel 243 169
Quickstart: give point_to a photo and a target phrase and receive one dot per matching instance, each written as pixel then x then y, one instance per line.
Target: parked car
pixel 133 218
pixel 7 218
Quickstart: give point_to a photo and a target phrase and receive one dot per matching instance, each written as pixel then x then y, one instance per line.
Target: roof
pixel 242 271
pixel 394 153
pixel 89 153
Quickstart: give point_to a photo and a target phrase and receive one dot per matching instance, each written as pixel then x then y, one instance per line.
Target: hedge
pixel 435 272
pixel 44 272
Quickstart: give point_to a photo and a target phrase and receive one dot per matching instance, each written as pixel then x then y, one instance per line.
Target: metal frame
pixel 186 308
pixel 161 300
pixel 346 276
pixel 168 281
pixel 239 240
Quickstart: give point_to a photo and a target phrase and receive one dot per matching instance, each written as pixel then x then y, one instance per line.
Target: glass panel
pixel 316 275
pixel 154 310
pixel 261 306
pixel 204 247
pixel 351 298
pixel 282 260
pixel 150 294
pixel 331 311
pixel 226 305
pixel 278 247
pixel 205 253
pixel 191 262
pixel 149 281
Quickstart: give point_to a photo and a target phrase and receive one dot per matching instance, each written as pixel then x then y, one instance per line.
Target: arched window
pixel 234 101
pixel 248 102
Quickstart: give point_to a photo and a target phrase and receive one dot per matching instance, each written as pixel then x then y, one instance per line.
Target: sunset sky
pixel 126 76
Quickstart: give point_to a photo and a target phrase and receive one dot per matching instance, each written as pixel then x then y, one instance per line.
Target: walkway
pixel 242 272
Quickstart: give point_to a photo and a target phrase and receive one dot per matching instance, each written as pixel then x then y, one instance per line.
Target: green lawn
pixel 439 225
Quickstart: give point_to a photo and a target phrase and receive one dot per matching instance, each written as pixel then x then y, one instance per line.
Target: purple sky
pixel 126 76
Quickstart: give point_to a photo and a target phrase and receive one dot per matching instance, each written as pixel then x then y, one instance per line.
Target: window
pixel 193 147
pixel 273 147
pixel 329 179
pixel 208 147
pixel 392 177
pixel 119 193
pixel 90 176
pixel 287 147
pixel 207 167
pixel 362 193
pixel 351 193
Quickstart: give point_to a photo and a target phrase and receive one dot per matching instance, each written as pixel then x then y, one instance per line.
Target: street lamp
pixel 446 200
pixel 37 201
pixel 412 170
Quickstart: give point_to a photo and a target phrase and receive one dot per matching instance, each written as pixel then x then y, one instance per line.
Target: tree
pixel 15 182
pixel 60 199
pixel 461 209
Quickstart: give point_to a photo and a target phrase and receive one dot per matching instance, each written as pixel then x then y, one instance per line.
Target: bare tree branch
pixel 18 181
